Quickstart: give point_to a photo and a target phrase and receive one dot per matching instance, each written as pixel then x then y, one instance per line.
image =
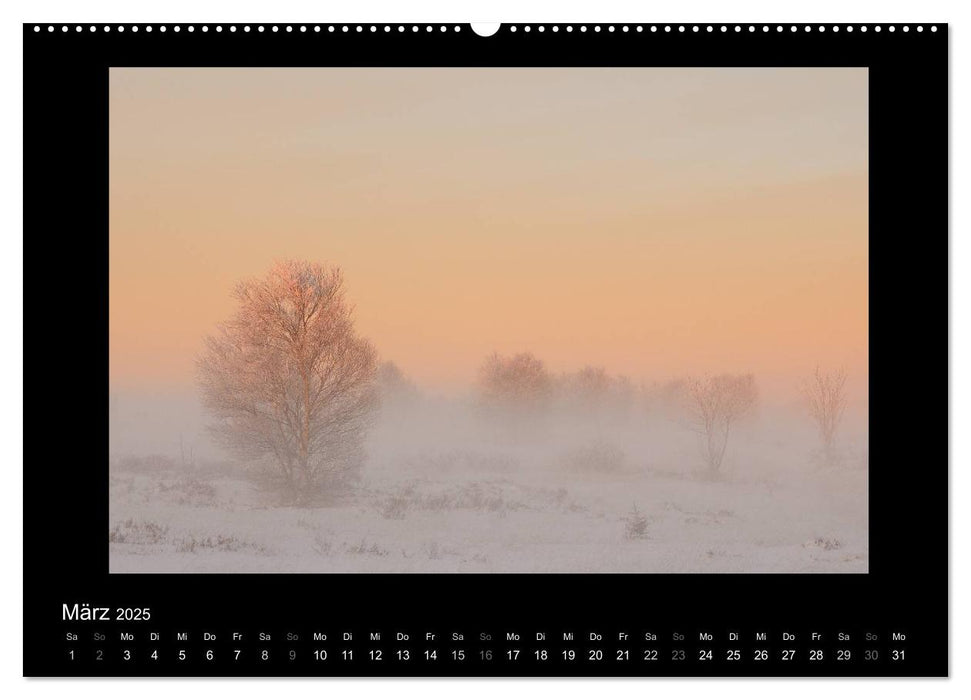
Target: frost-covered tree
pixel 515 393
pixel 825 394
pixel 592 394
pixel 394 387
pixel 715 404
pixel 518 382
pixel 287 378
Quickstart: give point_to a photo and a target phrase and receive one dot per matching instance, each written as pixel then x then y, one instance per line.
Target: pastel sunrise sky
pixel 657 222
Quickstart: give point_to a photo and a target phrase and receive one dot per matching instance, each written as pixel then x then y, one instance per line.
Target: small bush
pixel 477 496
pixel 433 551
pixel 220 543
pixel 367 549
pixel 189 491
pixel 599 457
pixel 635 524
pixel 132 532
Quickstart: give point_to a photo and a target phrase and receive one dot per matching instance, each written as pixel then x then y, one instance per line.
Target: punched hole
pixel 485 29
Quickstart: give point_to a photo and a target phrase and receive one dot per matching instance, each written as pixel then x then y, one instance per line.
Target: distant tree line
pixel 520 385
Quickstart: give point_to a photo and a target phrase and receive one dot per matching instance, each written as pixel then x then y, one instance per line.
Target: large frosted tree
pixel 287 379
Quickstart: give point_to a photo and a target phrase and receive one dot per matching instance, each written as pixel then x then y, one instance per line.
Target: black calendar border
pixel 66 351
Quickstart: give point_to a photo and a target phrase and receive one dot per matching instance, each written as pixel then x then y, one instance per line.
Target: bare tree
pixel 288 379
pixel 595 394
pixel 589 386
pixel 715 404
pixel 825 394
pixel 516 394
pixel 394 388
pixel 520 381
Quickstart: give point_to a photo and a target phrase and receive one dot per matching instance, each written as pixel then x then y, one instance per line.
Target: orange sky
pixel 654 221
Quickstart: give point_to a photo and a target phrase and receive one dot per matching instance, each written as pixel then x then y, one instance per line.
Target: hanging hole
pixel 486 29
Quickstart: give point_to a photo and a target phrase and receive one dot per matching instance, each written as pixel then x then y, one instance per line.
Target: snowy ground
pixel 477 515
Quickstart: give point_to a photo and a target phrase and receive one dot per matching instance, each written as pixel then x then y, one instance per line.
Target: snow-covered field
pixel 471 512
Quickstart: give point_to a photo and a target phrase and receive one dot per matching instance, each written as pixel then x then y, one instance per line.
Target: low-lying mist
pixel 616 427
pixel 582 472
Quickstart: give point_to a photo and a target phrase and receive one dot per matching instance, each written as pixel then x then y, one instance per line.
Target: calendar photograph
pixel 488 320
